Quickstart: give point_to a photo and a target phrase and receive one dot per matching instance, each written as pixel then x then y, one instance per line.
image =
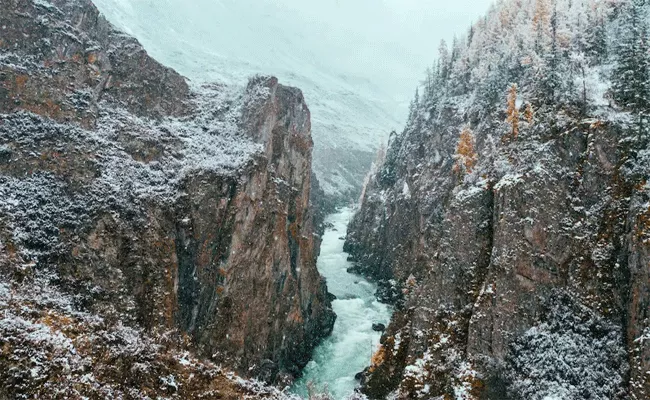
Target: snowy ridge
pixel 132 159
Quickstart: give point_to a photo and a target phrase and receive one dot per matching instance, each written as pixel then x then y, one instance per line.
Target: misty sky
pixel 392 41
pixel 386 44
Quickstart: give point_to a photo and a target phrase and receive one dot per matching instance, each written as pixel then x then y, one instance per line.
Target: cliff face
pixel 548 260
pixel 521 264
pixel 140 201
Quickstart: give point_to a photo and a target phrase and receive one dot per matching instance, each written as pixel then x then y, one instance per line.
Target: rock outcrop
pixel 147 202
pixel 552 256
pixel 521 257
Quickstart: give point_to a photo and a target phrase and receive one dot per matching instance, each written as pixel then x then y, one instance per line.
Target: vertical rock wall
pixel 542 259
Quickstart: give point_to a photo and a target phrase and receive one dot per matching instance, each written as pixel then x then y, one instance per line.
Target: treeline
pixel 573 54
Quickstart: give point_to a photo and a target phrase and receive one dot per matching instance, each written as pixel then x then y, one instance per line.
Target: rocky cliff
pixel 146 223
pixel 514 234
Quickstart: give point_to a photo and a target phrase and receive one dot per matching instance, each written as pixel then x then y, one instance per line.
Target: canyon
pixel 161 238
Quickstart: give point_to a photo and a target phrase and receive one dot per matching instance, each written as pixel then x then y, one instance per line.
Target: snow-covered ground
pixel 357 62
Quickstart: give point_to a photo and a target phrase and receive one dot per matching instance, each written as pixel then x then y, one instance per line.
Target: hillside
pixel 152 231
pixel 509 220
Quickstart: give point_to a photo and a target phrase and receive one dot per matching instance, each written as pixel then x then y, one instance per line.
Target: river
pixel 348 350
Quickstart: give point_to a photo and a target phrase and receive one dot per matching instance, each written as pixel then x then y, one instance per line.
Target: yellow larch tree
pixel 466 157
pixel 512 111
pixel 542 16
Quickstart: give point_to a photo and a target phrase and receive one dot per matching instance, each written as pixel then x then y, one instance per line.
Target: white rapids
pixel 349 348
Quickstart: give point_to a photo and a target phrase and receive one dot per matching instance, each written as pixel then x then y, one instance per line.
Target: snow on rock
pixel 465 375
pixel 574 353
pixel 406 192
pixel 508 180
pixel 130 200
pixel 50 350
pixel 133 159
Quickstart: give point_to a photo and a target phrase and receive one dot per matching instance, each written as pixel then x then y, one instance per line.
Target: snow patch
pixel 406 191
pixel 508 181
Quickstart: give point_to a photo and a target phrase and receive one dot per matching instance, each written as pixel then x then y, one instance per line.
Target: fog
pixel 386 43
pixel 357 61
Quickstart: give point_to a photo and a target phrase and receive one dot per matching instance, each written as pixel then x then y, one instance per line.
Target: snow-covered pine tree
pixel 631 77
pixel 595 33
pixel 414 106
pixel 550 76
pixel 428 83
pixel 444 61
pixel 541 24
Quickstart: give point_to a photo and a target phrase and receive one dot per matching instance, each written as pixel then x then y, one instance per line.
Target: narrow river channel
pixel 348 350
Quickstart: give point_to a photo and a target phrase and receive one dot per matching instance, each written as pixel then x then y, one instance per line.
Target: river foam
pixel 348 350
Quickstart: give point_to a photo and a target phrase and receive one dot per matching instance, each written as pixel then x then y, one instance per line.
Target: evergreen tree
pixel 470 35
pixel 631 83
pixel 551 78
pixel 491 90
pixel 414 109
pixel 596 36
pixel 431 97
pixel 444 61
pixel 428 84
pixel 541 21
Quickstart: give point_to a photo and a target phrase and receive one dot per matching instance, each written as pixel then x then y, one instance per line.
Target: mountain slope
pixel 148 228
pixel 511 213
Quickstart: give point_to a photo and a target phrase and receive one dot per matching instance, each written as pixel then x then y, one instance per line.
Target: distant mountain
pixel 229 40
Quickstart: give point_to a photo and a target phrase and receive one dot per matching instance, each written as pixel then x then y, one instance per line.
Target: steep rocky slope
pixel 515 233
pixel 143 218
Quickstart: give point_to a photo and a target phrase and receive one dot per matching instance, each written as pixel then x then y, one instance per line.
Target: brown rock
pixel 155 204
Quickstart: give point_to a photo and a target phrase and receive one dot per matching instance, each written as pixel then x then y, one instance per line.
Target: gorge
pixel 169 238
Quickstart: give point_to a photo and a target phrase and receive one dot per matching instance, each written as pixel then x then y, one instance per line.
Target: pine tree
pixel 456 50
pixel 529 114
pixel 444 61
pixel 470 35
pixel 541 21
pixel 414 106
pixel 596 35
pixel 388 172
pixel 492 86
pixel 551 78
pixel 416 111
pixel 579 65
pixel 428 84
pixel 631 77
